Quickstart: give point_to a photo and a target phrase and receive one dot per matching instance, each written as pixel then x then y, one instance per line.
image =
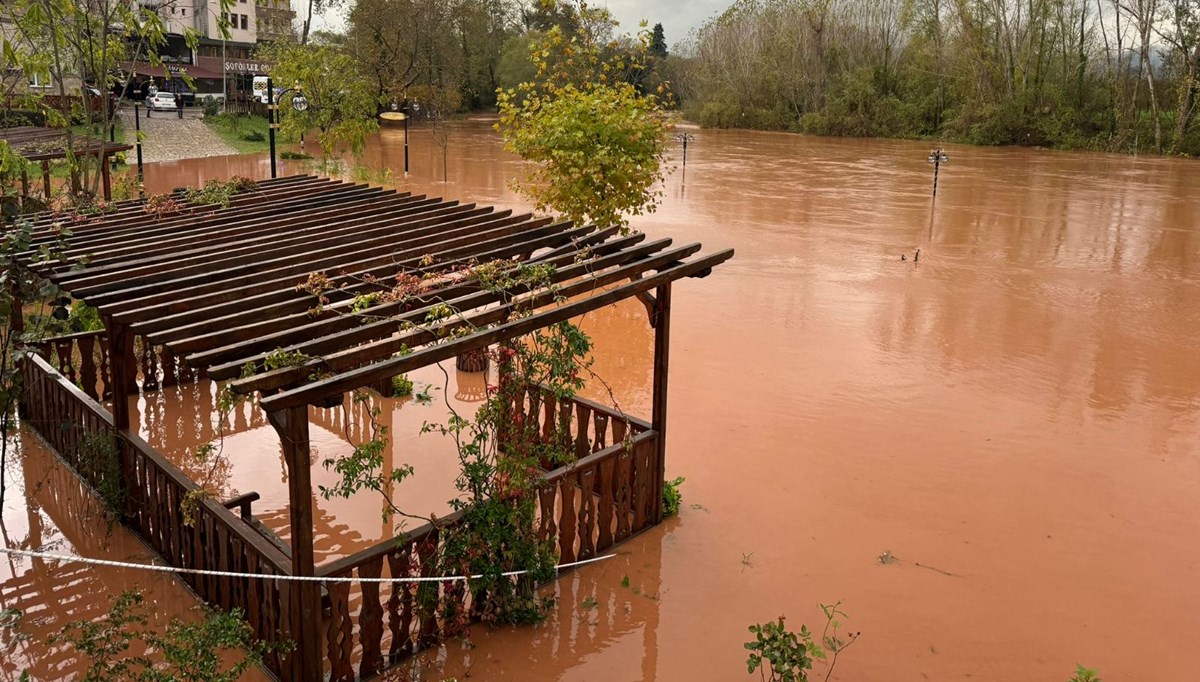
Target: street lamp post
pixel 299 103
pixel 684 138
pixel 408 109
pixel 937 157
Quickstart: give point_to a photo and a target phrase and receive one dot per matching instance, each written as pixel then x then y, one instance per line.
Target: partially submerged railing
pixel 607 495
pixel 150 493
pixel 586 507
pixel 84 359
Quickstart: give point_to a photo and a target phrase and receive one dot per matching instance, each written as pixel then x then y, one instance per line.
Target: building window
pixel 36 81
pixel 245 22
pixel 183 11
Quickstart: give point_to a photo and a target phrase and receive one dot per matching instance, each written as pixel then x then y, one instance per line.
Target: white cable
pixel 162 568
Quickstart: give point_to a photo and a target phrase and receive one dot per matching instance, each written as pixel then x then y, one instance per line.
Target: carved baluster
pixel 624 492
pixel 607 498
pixel 87 366
pixel 427 593
pixel 601 440
pixel 587 512
pixel 400 607
pixel 583 414
pixel 169 377
pixel 65 351
pixel 619 429
pixel 546 525
pixel 567 523
pixel 370 620
pixel 149 366
pixel 339 639
pixel 105 370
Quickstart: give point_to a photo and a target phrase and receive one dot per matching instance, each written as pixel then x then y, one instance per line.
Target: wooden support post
pixel 46 179
pixel 106 174
pixel 662 356
pixel 124 369
pixel 16 315
pixel 292 426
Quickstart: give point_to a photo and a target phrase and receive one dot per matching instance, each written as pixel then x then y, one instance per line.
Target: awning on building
pixel 169 70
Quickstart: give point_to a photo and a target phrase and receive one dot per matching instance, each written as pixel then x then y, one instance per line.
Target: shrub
pixel 212 106
pixel 294 156
pixel 672 498
pixel 254 136
pixel 402 386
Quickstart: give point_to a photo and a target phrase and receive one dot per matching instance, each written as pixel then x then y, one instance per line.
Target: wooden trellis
pixel 214 289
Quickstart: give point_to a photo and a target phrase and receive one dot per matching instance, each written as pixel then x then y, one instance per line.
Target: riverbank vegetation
pixel 1094 74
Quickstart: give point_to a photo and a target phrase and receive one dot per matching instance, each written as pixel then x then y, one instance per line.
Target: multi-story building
pixel 223 64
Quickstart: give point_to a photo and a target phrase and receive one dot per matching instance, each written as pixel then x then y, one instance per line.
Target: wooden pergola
pixel 216 287
pixel 50 144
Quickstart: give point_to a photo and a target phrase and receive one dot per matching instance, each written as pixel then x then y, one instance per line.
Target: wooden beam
pixel 662 357
pixel 372 261
pixel 266 310
pixel 350 354
pixel 344 329
pixel 364 376
pixel 292 426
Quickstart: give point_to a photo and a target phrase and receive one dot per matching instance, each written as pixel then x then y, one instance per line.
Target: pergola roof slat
pixel 316 233
pixel 291 263
pixel 346 330
pixel 270 306
pixel 371 374
pixel 386 265
pixel 220 285
pixel 199 222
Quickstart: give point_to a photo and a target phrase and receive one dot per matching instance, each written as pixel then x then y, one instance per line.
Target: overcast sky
pixel 678 17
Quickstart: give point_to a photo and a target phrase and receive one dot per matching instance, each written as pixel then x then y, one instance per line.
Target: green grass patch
pixel 247 134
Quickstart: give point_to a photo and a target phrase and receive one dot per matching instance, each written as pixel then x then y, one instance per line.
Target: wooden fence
pixel 149 492
pixel 604 497
pixel 588 506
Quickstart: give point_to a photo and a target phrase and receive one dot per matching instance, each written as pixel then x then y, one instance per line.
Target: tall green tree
pixel 594 142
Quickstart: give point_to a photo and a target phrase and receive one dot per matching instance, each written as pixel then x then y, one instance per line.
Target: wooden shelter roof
pixel 218 286
pixel 47 144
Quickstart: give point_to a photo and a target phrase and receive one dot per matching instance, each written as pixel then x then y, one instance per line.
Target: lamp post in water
pixel 937 157
pixel 684 138
pixel 299 103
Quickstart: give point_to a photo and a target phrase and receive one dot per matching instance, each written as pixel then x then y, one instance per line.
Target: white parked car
pixel 163 101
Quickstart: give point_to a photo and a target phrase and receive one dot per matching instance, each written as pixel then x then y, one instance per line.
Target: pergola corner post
pixel 658 420
pixel 124 370
pixel 291 424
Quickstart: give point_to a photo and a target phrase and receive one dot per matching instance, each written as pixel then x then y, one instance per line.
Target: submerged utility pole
pixel 937 157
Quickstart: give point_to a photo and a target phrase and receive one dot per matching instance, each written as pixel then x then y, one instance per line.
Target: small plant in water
pixel 672 498
pixel 218 647
pixel 402 386
pixel 781 655
pixel 1083 674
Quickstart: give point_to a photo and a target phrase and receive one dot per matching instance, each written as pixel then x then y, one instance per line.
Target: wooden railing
pixel 83 358
pixel 586 507
pixel 150 493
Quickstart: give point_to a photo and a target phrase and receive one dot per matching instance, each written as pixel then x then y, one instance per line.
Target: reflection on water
pixel 1017 409
pixel 47 509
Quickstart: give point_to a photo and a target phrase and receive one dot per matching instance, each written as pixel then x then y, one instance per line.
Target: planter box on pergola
pixel 217 287
pixel 50 144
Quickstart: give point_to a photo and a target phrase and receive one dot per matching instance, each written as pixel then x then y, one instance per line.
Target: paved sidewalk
pixel 165 137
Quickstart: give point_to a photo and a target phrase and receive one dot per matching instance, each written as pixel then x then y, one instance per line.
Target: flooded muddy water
pixel 1011 420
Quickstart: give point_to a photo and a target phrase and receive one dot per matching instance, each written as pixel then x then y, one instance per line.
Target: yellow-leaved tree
pixel 594 140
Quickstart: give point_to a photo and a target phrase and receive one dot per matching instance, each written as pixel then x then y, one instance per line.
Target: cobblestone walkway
pixel 168 138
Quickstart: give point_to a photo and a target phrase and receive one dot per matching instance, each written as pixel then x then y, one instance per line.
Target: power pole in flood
pixel 937 157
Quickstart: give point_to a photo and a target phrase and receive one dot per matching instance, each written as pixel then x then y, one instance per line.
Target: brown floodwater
pixel 1012 419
